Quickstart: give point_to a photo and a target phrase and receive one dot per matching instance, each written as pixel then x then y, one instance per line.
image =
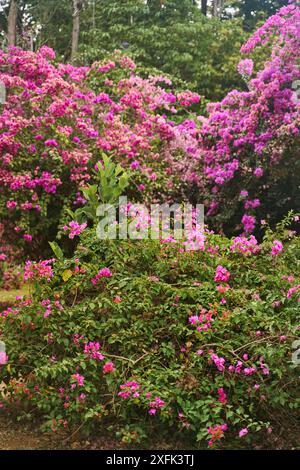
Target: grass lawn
pixel 9 296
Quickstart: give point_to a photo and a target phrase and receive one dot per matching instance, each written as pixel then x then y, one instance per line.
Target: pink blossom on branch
pixel 109 368
pixel 222 274
pixel 277 248
pixel 75 228
pixel 3 358
pixel 103 273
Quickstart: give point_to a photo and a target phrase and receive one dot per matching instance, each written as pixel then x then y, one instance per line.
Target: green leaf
pixel 57 250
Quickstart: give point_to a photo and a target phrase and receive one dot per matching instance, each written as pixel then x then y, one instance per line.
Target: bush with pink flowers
pixel 140 337
pixel 196 336
pixel 59 119
pixel 250 140
pixel 241 159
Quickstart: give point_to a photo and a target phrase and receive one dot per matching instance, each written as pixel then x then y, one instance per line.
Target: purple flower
pixel 51 143
pixel 243 432
pixel 245 67
pixel 258 172
pixel 3 358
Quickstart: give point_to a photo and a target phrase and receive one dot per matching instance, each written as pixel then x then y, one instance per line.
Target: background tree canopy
pixel 173 36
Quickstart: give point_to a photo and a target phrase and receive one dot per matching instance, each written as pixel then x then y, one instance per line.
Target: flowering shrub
pixel 250 139
pixel 199 342
pixel 75 228
pixel 59 119
pixel 194 336
pixel 242 160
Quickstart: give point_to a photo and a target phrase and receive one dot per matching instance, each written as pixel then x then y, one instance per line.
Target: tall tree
pixel 155 6
pixel 178 40
pixel 12 23
pixel 217 9
pixel 204 7
pixel 253 11
pixel 77 7
pixel 53 21
pixel 38 22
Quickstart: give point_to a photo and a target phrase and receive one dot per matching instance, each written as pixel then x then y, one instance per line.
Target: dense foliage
pixel 54 127
pixel 251 139
pixel 199 341
pixel 253 11
pixel 241 160
pixel 199 335
pixel 204 52
pixel 205 48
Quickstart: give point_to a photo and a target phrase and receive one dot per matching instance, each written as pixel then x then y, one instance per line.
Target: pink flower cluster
pixel 3 358
pixel 245 246
pixel 79 380
pixel 256 125
pixel 91 349
pixel 9 311
pixel 58 109
pixel 222 274
pixel 39 270
pixel 245 67
pixel 49 307
pixel 222 396
pixel 129 390
pixel 104 272
pixel 218 361
pixel 277 248
pixel 75 228
pixel 58 113
pixel 187 98
pixel 240 367
pixel 216 433
pixel 202 321
pixel 248 222
pixel 155 405
pixel 243 432
pixel 109 368
pixel 292 291
pixel 133 389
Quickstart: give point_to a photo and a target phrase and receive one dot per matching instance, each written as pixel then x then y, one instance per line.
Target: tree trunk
pixel 204 7
pixel 154 5
pixel 218 8
pixel 12 23
pixel 77 6
pixel 94 14
pixel 31 41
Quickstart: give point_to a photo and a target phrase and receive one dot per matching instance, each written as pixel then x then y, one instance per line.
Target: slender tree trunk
pixel 204 7
pixel 94 14
pixel 155 5
pixel 12 23
pixel 218 8
pixel 77 6
pixel 31 41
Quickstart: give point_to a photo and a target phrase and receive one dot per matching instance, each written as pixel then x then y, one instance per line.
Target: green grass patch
pixel 9 296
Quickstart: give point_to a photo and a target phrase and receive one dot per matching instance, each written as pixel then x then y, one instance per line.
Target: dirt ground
pixel 15 436
pixel 19 438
